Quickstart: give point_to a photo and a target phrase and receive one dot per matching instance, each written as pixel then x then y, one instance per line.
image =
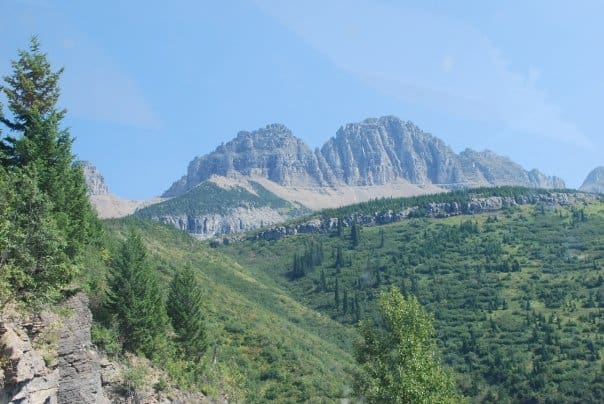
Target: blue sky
pixel 150 84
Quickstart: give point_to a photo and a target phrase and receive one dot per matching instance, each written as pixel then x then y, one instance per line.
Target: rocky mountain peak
pixel 594 181
pixel 272 152
pixel 375 151
pixel 94 180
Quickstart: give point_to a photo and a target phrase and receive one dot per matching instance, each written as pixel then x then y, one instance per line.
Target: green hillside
pixel 266 346
pixel 518 295
pixel 209 198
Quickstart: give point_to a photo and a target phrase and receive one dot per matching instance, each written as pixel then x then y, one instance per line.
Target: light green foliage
pixel 492 281
pixel 185 308
pixel 208 197
pixel 136 299
pixel 262 345
pixel 398 360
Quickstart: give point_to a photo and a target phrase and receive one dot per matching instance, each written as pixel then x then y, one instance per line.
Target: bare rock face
pixel 376 151
pixel 488 168
pixel 26 377
pixel 594 181
pixel 272 152
pixel 107 204
pixel 94 180
pixel 67 373
pixel 79 367
pixel 211 225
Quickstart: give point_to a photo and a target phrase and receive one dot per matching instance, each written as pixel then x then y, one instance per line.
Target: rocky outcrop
pixel 25 376
pixel 272 152
pixel 372 152
pixel 431 210
pixel 94 180
pixel 378 151
pixel 106 204
pixel 79 367
pixel 594 181
pixel 211 225
pixel 488 168
pixel 48 358
pixel 36 371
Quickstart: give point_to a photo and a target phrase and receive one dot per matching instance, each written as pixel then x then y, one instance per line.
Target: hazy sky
pixel 151 84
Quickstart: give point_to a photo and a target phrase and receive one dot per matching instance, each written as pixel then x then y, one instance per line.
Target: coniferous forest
pixel 505 306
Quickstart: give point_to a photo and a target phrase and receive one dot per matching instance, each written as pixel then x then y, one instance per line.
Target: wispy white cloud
pixel 428 59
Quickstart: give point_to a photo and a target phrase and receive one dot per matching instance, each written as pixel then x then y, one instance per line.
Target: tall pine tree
pixel 136 298
pixel 39 143
pixel 185 308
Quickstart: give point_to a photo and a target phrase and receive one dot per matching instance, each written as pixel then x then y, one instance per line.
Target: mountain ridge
pixel 594 181
pixel 375 151
pixel 107 204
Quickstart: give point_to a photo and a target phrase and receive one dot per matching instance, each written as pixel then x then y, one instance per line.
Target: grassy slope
pixel 268 346
pixel 511 336
pixel 209 198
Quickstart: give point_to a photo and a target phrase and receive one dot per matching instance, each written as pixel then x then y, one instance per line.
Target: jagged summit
pixel 272 152
pixel 594 181
pixel 105 203
pixel 375 151
pixel 488 168
pixel 94 180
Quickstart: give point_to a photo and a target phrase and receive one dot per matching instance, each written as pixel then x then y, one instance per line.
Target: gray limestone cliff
pixel 213 225
pixel 106 204
pixel 47 356
pixel 94 180
pixel 272 152
pixel 475 205
pixel 66 373
pixel 489 168
pixel 594 181
pixel 376 151
pixel 79 364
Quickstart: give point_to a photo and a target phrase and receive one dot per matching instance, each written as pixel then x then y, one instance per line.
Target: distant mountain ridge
pixel 95 182
pixel 594 181
pixel 107 204
pixel 376 151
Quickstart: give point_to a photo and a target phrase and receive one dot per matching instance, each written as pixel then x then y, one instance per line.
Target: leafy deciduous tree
pixel 398 360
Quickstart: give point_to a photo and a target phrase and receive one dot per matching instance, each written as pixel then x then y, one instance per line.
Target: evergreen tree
pixel 185 309
pixel 355 235
pixel 32 88
pixel 323 281
pixel 136 298
pixel 378 278
pixel 345 302
pixel 398 360
pixel 357 308
pixel 32 92
pixel 339 263
pixel 37 246
pixel 336 295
